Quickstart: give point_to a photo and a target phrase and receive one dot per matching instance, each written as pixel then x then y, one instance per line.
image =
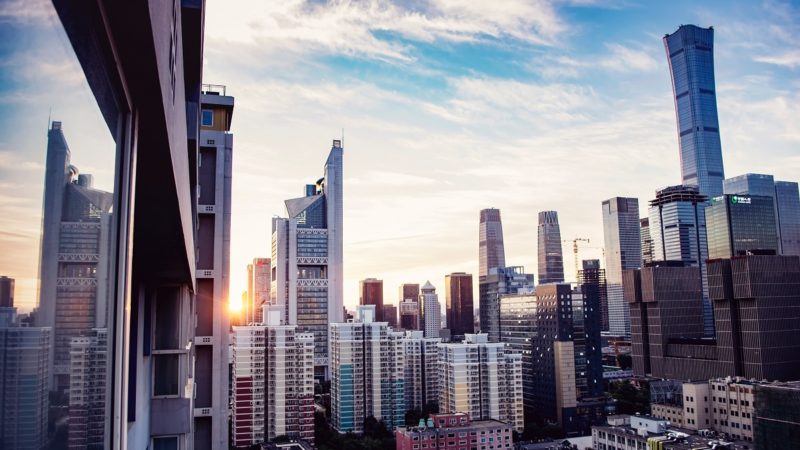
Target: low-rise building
pixel 646 432
pixel 455 432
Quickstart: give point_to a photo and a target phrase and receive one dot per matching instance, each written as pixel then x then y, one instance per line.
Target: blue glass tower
pixel 690 52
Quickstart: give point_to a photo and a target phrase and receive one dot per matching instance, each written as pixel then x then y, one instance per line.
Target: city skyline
pixel 466 122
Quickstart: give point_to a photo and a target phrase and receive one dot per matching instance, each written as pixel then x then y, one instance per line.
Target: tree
pixel 630 400
pixel 624 361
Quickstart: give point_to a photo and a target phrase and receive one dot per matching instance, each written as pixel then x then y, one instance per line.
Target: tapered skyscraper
pixel 551 260
pixel 490 239
pixel 690 52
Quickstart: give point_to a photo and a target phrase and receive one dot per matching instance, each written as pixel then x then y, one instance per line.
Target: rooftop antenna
pixel 49 116
pixel 342 137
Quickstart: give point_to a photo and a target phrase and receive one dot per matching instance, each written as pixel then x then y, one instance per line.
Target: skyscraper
pixel 409 314
pixel 307 258
pixel 432 310
pixel 787 205
pixel 390 315
pixel 690 53
pixel 592 283
pixel 73 261
pixel 460 312
pixel 741 224
pixel 500 281
pixel 370 292
pixel 647 240
pixel 551 260
pixel 6 292
pixel 411 291
pixel 490 241
pixel 623 251
pixel 259 283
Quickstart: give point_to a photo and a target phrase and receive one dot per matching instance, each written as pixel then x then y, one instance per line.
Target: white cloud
pixel 26 11
pixel 627 59
pixel 790 59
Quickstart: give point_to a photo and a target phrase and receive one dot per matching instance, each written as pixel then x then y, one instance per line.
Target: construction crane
pixel 575 252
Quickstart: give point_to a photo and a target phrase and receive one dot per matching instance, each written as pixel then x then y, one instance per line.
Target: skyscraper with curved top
pixel 690 52
pixel 551 260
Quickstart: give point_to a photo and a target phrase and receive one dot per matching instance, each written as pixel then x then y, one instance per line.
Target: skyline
pixel 565 119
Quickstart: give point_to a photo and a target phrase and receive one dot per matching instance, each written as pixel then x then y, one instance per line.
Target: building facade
pixel 411 291
pixel 422 370
pixel 481 379
pixel 455 432
pixel 390 315
pixel 410 314
pixel 460 310
pixel 690 53
pixel 259 283
pixel 623 251
pixel 500 281
pixel 432 310
pixel 307 258
pixel 370 292
pixel 551 259
pixel 491 252
pixel 87 394
pixel 592 284
pixel 741 224
pixel 776 419
pixel 646 239
pixel 6 292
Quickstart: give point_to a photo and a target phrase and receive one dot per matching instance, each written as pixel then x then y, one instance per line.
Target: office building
pixel 491 252
pixel 367 373
pixel 6 292
pixel 460 312
pixel 75 224
pixel 390 315
pixel 482 379
pixel 646 239
pixel 741 224
pixel 370 292
pixel 410 314
pixel 411 291
pixel 87 394
pixel 273 382
pixel 455 432
pixel 786 199
pixel 24 384
pixel 690 53
pixel 259 283
pixel 498 282
pixel 776 419
pixel 422 370
pixel 432 310
pixel 551 259
pixel 307 258
pixel 592 284
pixel 678 230
pixel 621 231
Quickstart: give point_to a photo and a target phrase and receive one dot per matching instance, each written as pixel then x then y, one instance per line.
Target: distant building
pixel 421 370
pixel 6 292
pixel 481 379
pixel 273 382
pixel 455 432
pixel 432 310
pixel 370 292
pixel 739 224
pixel 491 252
pixel 390 315
pixel 87 393
pixel 498 282
pixel 411 291
pixel 460 313
pixel 551 259
pixel 410 314
pixel 592 284
pixel 623 251
pixel 259 283
pixel 646 239
pixel 368 371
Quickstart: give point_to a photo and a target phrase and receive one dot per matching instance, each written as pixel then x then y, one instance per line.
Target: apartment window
pixel 167 320
pixel 165 374
pixel 207 118
pixel 165 443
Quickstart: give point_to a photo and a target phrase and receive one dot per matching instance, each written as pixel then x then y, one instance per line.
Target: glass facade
pixel 500 281
pixel 491 252
pixel 739 224
pixel 551 259
pixel 623 251
pixel 690 52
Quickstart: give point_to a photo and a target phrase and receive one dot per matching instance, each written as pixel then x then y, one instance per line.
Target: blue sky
pixel 448 107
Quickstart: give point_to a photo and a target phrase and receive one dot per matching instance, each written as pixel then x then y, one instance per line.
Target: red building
pixel 455 432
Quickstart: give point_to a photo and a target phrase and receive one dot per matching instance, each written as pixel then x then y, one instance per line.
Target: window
pixel 165 374
pixel 207 118
pixel 165 443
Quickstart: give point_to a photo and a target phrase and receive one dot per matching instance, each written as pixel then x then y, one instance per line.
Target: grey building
pixel 741 224
pixel 623 251
pixel 500 281
pixel 551 259
pixel 491 252
pixel 786 199
pixel 647 240
pixel 690 53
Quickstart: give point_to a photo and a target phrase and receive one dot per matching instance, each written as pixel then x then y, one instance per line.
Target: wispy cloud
pixel 790 59
pixel 26 11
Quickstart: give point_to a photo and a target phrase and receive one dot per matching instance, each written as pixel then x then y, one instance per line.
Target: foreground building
pixel 273 382
pixel 739 224
pixel 623 251
pixel 307 258
pixel 551 259
pixel 455 432
pixel 88 389
pixel 421 356
pixel 499 281
pixel 776 416
pixel 481 379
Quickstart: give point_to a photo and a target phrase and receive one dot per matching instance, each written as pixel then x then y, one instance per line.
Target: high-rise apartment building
pixel 73 260
pixel 491 252
pixel 646 239
pixel 551 259
pixel 498 282
pixel 88 389
pixel 422 370
pixel 431 310
pixel 741 224
pixel 410 316
pixel 6 292
pixel 623 251
pixel 460 312
pixel 690 53
pixel 214 175
pixel 24 384
pixel 259 283
pixel 592 284
pixel 307 266
pixel 367 373
pixel 482 379
pixel 370 292
pixel 786 199
pixel 273 382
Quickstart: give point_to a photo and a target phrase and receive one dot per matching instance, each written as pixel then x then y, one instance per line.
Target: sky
pixel 446 107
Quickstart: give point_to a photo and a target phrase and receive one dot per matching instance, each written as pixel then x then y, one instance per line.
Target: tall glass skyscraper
pixel 741 224
pixel 551 260
pixel 490 241
pixel 623 251
pixel 690 52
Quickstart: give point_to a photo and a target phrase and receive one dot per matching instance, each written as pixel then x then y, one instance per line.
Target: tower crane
pixel 575 252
